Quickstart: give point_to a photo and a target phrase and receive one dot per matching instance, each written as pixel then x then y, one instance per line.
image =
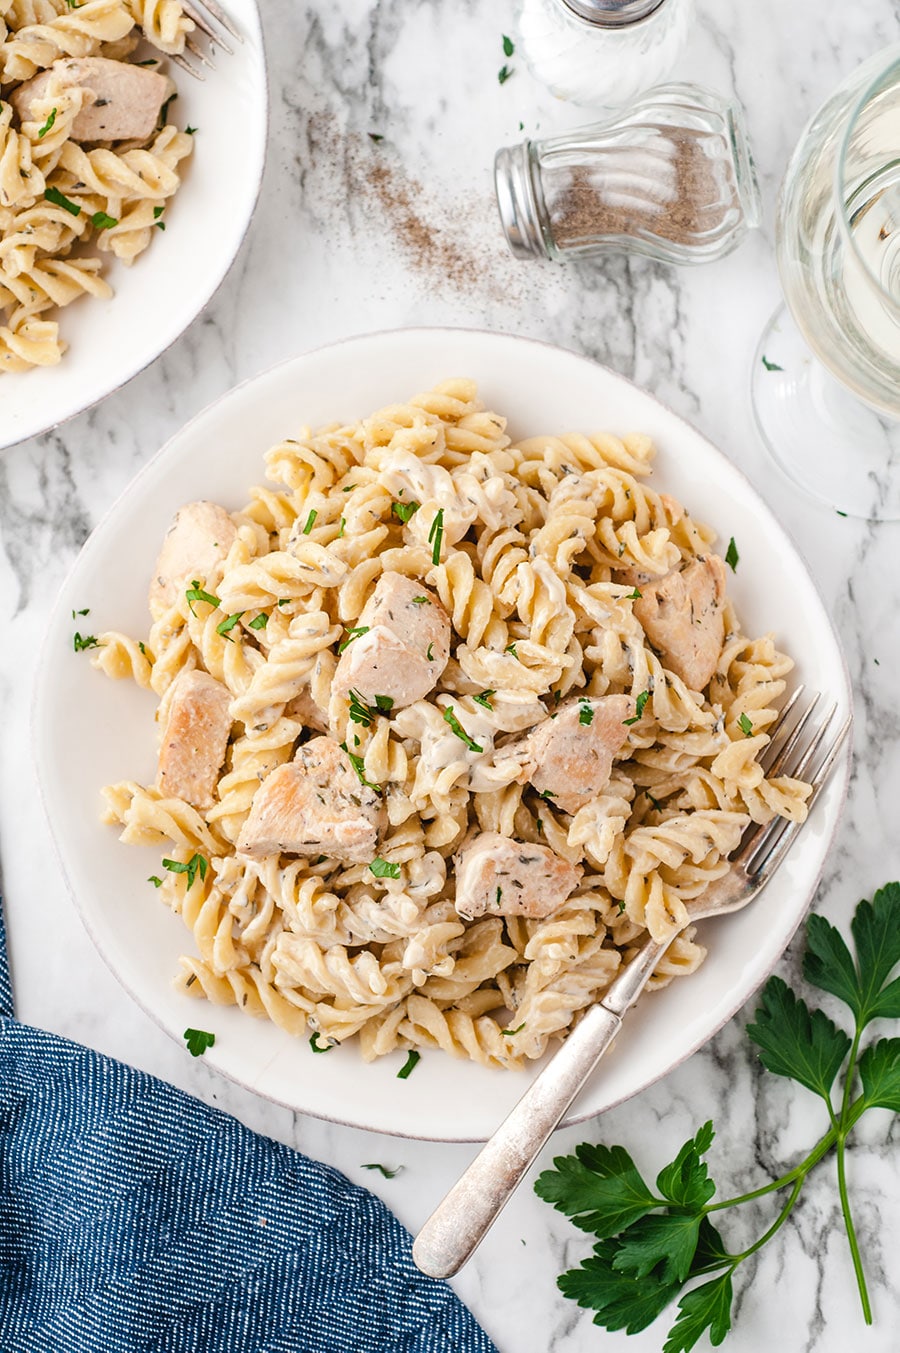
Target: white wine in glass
pixel 826 378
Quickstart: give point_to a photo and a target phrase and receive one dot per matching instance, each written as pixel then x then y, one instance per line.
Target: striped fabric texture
pixel 133 1217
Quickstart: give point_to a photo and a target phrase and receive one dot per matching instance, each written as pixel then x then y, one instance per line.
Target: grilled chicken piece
pixel 405 647
pixel 304 709
pixel 315 805
pixel 569 757
pixel 195 739
pixel 126 104
pixel 200 537
pixel 683 616
pixel 496 876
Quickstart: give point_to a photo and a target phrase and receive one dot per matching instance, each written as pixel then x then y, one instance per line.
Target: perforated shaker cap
pixel 613 13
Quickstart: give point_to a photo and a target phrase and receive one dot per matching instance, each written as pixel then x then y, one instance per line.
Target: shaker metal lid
pixel 612 13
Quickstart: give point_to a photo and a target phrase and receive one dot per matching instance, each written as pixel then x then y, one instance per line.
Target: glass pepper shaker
pixel 672 177
pixel 602 52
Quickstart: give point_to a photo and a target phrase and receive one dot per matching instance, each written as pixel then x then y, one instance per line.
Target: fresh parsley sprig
pixel 651 1242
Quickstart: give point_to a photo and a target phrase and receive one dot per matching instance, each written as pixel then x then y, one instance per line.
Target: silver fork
pixel 460 1222
pixel 210 18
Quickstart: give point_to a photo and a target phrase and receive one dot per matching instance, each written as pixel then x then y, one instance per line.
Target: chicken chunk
pixel 569 758
pixel 683 616
pixel 315 805
pixel 195 739
pixel 126 99
pixel 496 876
pixel 200 537
pixel 304 708
pixel 404 646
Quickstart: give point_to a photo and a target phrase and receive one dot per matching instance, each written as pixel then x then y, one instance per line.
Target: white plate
pixel 89 731
pixel 166 288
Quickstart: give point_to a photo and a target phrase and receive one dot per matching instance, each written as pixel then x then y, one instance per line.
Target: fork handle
pixel 458 1225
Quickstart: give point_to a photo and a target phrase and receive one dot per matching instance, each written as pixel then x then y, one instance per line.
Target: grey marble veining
pixel 352 235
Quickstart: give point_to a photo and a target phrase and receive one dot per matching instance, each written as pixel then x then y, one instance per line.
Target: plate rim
pixel 18 439
pixel 87 550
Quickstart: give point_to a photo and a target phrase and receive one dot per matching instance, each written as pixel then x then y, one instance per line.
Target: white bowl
pixel 219 455
pixel 166 288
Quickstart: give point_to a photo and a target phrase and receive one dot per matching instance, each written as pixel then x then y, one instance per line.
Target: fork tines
pixel 802 750
pixel 209 18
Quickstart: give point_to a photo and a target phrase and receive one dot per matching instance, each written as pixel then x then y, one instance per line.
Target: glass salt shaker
pixel 672 177
pixel 602 52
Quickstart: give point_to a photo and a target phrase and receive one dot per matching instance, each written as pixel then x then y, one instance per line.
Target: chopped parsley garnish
pixel 340 534
pixel 141 647
pixel 360 712
pixel 745 725
pixel 420 601
pixel 585 714
pixel 314 1044
pixel 376 137
pixel 508 1033
pixel 348 489
pixel 499 897
pixel 198 1040
pixel 621 908
pixel 384 869
pixel 540 826
pixel 656 803
pixel 82 641
pixel 259 622
pixel 511 648
pixel 196 864
pixel 164 111
pixel 351 635
pixel 451 719
pixel 383 1169
pixel 547 794
pixel 229 624
pixel 409 1065
pixel 430 653
pixel 403 511
pixel 639 707
pixel 190 131
pixel 635 595
pixel 484 699
pixel 503 74
pixel 359 766
pixel 384 703
pixel 76 614
pixel 56 197
pixel 195 593
pixel 436 535
pixel 47 125
pixel 731 555
pixel 508 46
pixel 155 880
pixel 771 366
pixel 104 222
pixel 310 521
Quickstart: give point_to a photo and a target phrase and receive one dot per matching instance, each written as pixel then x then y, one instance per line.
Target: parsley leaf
pixel 384 869
pixel 504 74
pixel 409 1065
pixel 451 719
pixel 383 1169
pixel 879 1070
pixel 86 611
pixel 731 555
pixel 155 880
pixel 403 512
pixel 228 624
pixel 47 125
pixel 585 714
pixel 436 535
pixel 635 595
pixel 198 1040
pixel 599 1188
pixel 310 521
pixel 258 622
pixel 620 1300
pixel 195 593
pixel 771 366
pixel 196 864
pixel 104 222
pixel 360 712
pixel 686 1182
pixel 484 699
pixel 508 46
pixel 745 725
pixel 56 197
pixel 508 1033
pixel 384 703
pixel 314 1044
pixel 861 985
pixel 797 1042
pixel 668 1239
pixel 82 641
pixel 359 766
pixel 705 1307
pixel 640 705
pixel 351 635
pixel 420 601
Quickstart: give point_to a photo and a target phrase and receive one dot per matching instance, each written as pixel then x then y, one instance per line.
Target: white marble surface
pixel 332 253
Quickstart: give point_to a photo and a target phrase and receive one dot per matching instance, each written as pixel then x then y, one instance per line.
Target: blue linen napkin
pixel 133 1217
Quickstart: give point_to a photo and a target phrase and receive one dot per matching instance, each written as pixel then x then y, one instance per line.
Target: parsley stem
pixel 846 1123
pixel 776 1224
pixel 798 1174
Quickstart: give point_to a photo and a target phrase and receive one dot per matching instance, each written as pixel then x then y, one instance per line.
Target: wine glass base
pixel 826 440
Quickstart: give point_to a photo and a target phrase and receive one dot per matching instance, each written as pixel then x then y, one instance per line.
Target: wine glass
pixel 831 416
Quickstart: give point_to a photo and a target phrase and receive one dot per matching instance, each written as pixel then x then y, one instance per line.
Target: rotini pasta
pixel 87 155
pixel 489 720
